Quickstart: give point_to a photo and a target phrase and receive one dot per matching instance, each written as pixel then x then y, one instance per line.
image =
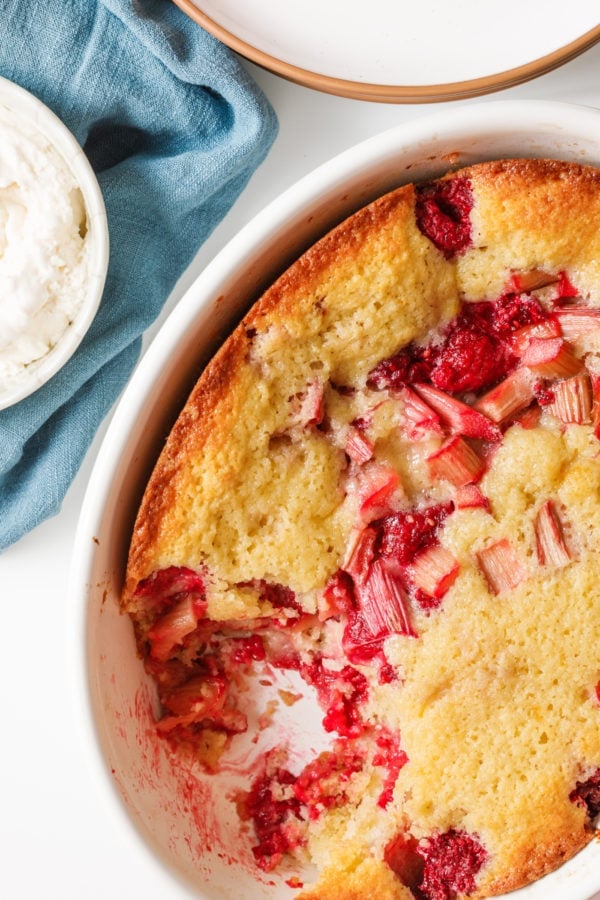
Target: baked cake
pixel 387 482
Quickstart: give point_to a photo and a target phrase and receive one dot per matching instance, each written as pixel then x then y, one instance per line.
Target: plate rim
pixel 393 93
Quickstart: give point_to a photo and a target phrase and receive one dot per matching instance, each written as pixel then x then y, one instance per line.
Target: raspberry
pixel 452 860
pixel 469 360
pixel 410 365
pixel 587 793
pixel 475 352
pixel 404 534
pixel 277 595
pixel 442 212
pixel 513 311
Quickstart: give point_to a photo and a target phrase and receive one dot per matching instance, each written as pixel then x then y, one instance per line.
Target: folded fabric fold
pixel 174 127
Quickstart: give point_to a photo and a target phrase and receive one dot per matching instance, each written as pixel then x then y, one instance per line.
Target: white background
pixel 60 838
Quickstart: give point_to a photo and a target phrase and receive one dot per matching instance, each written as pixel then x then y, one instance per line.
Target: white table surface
pixel 59 837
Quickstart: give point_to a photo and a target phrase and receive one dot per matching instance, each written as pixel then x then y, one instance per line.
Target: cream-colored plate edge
pixel 393 93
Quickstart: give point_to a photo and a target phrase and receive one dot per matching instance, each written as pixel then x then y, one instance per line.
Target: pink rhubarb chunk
pixel 457 462
pixel 551 547
pixel 501 566
pixel 458 417
pixel 435 571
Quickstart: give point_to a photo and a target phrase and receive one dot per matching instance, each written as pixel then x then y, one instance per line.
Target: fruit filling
pixel 442 211
pixel 522 361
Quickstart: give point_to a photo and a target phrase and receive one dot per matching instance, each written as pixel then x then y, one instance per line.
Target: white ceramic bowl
pixel 40 118
pixel 185 819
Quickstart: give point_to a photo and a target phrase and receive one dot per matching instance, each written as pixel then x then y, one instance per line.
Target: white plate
pixel 195 832
pixel 397 50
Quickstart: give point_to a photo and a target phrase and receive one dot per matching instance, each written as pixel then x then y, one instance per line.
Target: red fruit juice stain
pixel 272 806
pixel 391 756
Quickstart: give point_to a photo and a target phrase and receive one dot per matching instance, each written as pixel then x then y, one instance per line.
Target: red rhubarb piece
pixel 566 290
pixel 381 610
pixel 547 328
pixel 308 407
pixel 402 856
pixel 551 358
pixel 572 400
pixel 532 280
pixel 419 419
pixel 509 397
pixel 580 326
pixel 435 571
pixel 469 496
pixel 376 486
pixel 338 596
pixel 200 701
pixel 594 373
pixel 501 566
pixel 171 629
pixel 551 547
pixel 458 417
pixel 358 447
pixel 529 418
pixel 383 601
pixel 360 552
pixel 457 462
pixel 202 697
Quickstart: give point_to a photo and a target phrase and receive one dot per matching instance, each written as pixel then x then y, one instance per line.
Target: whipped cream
pixel 44 256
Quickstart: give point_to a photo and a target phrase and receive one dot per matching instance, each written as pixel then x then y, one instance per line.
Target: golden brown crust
pixel 192 428
pixel 369 878
pixel 532 214
pixel 292 304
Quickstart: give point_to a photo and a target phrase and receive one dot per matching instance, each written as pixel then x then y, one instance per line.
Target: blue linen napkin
pixel 174 127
